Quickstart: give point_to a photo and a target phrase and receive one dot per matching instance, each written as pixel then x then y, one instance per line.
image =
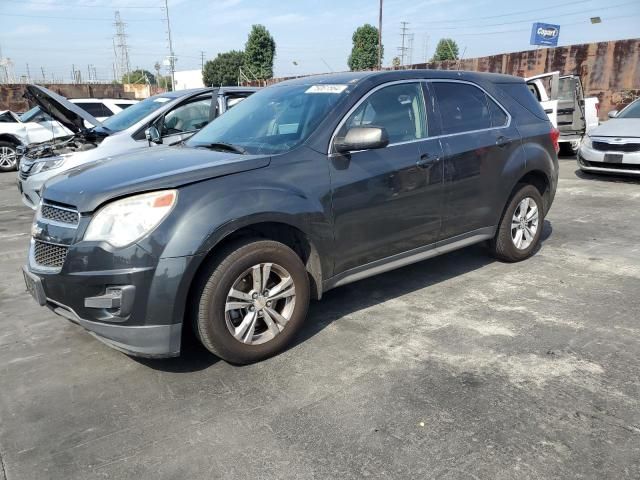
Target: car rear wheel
pixel 520 229
pixel 252 302
pixel 8 157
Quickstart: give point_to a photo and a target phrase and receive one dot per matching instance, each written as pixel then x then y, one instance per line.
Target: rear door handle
pixel 503 141
pixel 426 161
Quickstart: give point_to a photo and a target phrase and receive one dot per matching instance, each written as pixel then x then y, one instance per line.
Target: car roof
pixel 354 78
pixel 238 89
pixel 182 93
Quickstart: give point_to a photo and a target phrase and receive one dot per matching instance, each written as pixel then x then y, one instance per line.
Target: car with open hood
pixel 163 119
pixel 614 147
pixel 307 185
pixel 37 126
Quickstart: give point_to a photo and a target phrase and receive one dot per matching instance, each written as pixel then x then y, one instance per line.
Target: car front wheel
pixel 252 302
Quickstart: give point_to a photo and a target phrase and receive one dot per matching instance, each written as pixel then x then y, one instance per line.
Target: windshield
pixel 273 120
pixel 135 113
pixel 632 111
pixel 35 114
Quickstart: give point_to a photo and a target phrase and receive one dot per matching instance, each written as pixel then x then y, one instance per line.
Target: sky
pixel 311 36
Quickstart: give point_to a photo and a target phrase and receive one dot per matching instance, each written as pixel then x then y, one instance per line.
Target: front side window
pixel 399 109
pixel 187 118
pixel 466 108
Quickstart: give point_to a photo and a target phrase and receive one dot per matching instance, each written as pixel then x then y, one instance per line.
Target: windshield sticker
pixel 162 100
pixel 326 89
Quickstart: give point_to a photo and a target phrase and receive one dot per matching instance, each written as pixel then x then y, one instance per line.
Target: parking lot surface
pixel 459 367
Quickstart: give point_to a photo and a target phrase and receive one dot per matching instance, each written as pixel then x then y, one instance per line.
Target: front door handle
pixel 426 161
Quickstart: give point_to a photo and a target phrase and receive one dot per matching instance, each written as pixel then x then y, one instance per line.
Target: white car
pixel 36 126
pixel 614 147
pixel 563 100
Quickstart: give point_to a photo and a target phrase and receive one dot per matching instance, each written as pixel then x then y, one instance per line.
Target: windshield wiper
pixel 227 147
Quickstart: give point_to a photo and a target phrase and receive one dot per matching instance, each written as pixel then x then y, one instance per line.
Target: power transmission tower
pixel 172 57
pixel 403 49
pixel 121 49
pixel 410 38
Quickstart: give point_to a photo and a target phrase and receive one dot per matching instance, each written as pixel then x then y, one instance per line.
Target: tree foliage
pixel 364 54
pixel 139 76
pixel 396 62
pixel 259 53
pixel 224 69
pixel 447 49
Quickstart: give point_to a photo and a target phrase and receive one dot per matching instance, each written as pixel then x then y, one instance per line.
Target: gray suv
pixel 305 186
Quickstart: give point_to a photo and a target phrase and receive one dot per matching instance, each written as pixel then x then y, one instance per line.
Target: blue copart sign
pixel 545 34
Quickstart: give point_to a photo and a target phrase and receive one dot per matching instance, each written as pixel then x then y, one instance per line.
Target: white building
pixel 188 79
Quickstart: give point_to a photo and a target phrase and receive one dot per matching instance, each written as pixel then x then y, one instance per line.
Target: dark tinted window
pixel 522 94
pixel 498 117
pixel 398 108
pixel 95 108
pixel 463 107
pixel 124 106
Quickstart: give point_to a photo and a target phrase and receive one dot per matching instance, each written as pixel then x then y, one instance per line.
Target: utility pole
pixel 172 58
pixel 380 37
pixel 410 49
pixel 403 48
pixel 28 74
pixel 44 78
pixel 202 60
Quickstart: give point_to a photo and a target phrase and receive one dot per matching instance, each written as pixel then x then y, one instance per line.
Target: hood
pixel 617 127
pixel 61 109
pixel 90 185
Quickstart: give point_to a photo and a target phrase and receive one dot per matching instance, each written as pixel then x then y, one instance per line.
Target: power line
pixel 79 5
pixel 83 19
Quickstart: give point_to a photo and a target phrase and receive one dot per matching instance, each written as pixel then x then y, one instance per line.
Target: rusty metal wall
pixel 609 70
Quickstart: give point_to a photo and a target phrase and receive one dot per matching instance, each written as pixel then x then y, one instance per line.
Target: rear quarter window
pixel 521 93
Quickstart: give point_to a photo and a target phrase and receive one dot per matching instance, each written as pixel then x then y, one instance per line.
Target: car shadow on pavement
pixel 342 301
pixel 607 177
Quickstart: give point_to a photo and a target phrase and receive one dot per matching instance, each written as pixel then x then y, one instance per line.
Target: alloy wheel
pixel 8 157
pixel 260 303
pixel 524 223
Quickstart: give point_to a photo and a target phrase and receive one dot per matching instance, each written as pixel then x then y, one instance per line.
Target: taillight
pixel 555 137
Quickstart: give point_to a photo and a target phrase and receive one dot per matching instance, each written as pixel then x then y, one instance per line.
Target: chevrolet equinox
pixel 307 185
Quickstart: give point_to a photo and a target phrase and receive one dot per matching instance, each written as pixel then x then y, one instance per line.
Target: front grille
pixel 617 147
pixel 611 166
pixel 49 255
pixel 62 215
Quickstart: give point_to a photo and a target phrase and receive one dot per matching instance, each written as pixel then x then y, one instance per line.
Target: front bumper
pixel 30 189
pixel 592 160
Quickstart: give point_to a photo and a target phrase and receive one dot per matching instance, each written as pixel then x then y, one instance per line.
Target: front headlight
pixel 126 221
pixel 586 141
pixel 44 165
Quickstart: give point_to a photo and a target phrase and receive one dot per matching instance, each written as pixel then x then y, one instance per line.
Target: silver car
pixel 614 146
pixel 167 119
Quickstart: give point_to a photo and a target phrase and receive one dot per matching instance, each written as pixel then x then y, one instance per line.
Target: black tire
pixel 214 285
pixel 14 166
pixel 502 246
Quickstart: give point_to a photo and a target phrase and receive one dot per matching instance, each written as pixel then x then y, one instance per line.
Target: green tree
pixel 223 70
pixel 139 76
pixel 259 52
pixel 447 49
pixel 396 63
pixel 364 54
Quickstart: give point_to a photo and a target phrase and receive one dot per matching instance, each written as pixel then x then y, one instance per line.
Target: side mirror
pixel 613 114
pixel 153 135
pixel 362 138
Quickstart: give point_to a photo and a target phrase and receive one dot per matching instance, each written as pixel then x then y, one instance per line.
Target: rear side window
pixel 124 106
pixel 522 94
pixel 466 108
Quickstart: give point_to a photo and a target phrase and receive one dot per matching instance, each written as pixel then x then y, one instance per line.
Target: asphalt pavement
pixel 459 367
